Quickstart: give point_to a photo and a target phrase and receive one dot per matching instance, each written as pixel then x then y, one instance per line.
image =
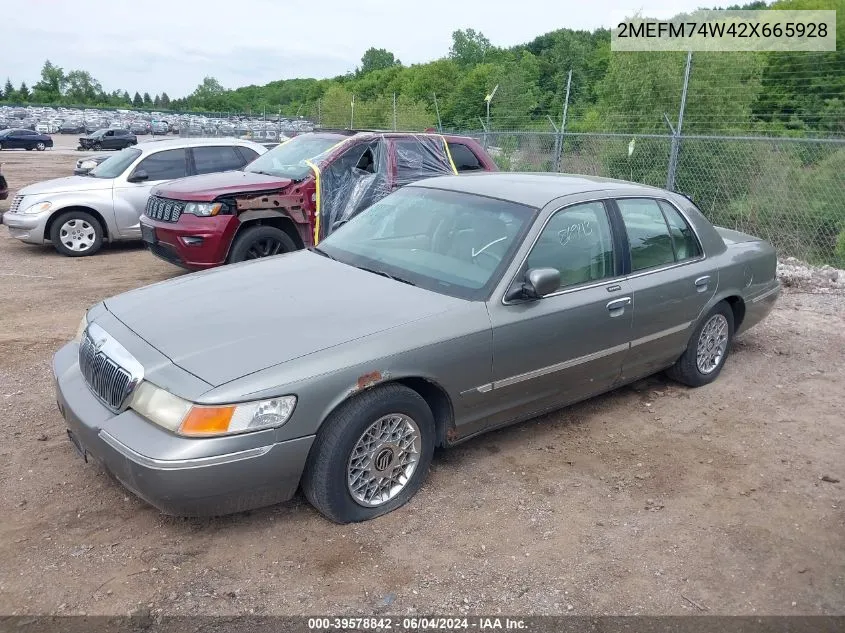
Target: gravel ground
pixel 654 499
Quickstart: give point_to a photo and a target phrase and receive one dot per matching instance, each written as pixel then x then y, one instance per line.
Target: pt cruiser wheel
pixel 707 349
pixel 76 234
pixel 371 455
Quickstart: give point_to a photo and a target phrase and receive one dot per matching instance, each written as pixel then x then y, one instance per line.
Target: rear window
pixel 464 158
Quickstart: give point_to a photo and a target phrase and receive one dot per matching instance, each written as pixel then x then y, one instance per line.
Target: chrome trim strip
pixel 661 334
pixel 506 382
pixel 543 371
pixel 176 464
pixel 768 293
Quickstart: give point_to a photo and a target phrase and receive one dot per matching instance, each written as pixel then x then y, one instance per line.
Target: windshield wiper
pixel 320 251
pixel 388 275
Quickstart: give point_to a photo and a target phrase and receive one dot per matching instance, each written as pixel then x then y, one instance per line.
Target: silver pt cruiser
pixel 451 307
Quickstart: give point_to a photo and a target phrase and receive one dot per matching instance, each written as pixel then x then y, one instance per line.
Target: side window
pixel 683 237
pixel 209 160
pixel 248 154
pixel 464 158
pixel 109 133
pixel 577 242
pixel 648 233
pixel 166 165
pixel 418 158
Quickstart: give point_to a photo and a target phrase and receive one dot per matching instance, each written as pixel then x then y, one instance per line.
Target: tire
pixel 715 334
pixel 97 147
pixel 325 481
pixel 40 146
pixel 76 234
pixel 30 148
pixel 259 241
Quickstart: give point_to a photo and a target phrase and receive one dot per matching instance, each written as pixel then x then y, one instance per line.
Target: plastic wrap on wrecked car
pixel 367 172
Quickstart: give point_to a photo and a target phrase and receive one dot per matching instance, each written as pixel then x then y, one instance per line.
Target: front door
pixel 130 198
pixel 568 345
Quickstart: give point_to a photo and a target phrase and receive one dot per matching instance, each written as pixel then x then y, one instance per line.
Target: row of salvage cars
pixel 429 305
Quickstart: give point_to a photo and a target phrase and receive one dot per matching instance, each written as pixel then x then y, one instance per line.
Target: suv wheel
pixel 76 234
pixel 371 455
pixel 259 241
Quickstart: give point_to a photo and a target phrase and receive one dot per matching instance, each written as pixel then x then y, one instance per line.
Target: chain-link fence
pixel 789 191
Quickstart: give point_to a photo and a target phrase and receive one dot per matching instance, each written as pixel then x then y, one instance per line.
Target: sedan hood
pixel 67 185
pixel 225 323
pixel 208 187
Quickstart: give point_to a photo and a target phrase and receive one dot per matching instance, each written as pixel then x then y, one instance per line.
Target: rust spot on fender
pixel 368 380
pixel 451 434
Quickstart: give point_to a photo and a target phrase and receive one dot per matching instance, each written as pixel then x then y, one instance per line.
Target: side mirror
pixel 138 176
pixel 538 283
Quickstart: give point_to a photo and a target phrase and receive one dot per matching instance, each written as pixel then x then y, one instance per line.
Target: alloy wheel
pixel 712 344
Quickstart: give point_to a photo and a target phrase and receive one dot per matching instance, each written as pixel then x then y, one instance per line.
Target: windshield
pixel 7 132
pixel 115 165
pixel 288 160
pixel 452 243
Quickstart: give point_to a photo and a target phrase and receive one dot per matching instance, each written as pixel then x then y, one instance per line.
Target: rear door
pixel 670 279
pixel 130 198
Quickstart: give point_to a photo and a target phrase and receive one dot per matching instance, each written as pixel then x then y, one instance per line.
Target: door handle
pixel 702 282
pixel 617 306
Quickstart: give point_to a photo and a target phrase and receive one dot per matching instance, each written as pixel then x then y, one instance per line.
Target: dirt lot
pixel 656 499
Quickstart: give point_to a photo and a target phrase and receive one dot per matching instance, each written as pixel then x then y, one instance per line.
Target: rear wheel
pixel 76 234
pixel 707 349
pixel 259 241
pixel 371 455
pixel 40 146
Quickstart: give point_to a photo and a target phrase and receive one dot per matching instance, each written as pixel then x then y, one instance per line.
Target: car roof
pixel 533 189
pixel 179 143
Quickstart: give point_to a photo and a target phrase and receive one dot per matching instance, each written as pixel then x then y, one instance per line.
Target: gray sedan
pixel 452 307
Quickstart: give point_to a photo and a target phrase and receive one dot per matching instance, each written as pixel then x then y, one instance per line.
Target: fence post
pixel 676 133
pixel 559 143
pixel 352 116
pixel 394 111
pixel 319 113
pixel 437 110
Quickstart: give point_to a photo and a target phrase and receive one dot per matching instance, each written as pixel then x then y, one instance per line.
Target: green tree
pixel 165 101
pixel 469 47
pixel 23 92
pixel 51 85
pixel 156 101
pixel 147 100
pixel 377 59
pixel 137 101
pixel 9 90
pixel 126 98
pixel 82 88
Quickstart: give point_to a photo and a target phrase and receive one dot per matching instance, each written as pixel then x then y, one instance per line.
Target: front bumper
pixel 28 227
pixel 179 476
pixel 215 232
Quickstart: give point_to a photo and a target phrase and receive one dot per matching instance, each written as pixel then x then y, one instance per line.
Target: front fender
pixel 98 201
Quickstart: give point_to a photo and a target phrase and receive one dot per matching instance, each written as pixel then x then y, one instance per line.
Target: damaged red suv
pixel 294 195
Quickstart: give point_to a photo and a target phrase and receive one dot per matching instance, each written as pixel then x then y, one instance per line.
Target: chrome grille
pixel 16 204
pixel 110 382
pixel 164 209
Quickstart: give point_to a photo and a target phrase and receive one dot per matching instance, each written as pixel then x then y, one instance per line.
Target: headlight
pixel 38 207
pixel 180 416
pixel 87 164
pixel 203 209
pixel 82 325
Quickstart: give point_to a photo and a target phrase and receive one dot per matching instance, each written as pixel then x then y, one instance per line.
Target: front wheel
pixel 98 147
pixel 371 455
pixel 40 146
pixel 76 234
pixel 259 241
pixel 708 347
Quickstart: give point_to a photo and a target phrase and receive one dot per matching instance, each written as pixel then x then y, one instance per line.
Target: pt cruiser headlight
pixel 203 209
pixel 186 418
pixel 38 207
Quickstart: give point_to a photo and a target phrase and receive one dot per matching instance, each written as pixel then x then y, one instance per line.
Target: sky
pixel 170 45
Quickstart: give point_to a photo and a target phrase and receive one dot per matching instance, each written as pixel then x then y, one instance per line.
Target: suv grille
pixel 108 380
pixel 164 209
pixel 16 204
